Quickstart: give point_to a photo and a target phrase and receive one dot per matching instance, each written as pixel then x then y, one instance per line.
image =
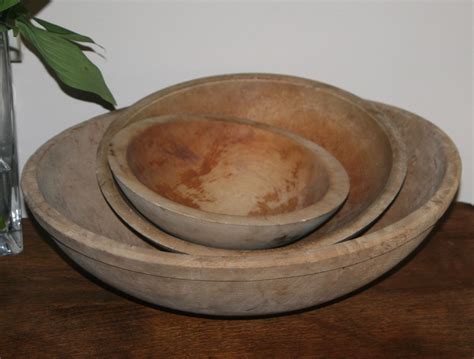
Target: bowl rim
pixel 334 196
pixel 350 228
pixel 149 261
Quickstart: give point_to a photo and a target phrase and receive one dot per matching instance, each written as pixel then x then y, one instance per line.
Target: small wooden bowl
pixel 226 182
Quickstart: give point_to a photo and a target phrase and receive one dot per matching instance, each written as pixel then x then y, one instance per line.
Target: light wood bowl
pixel 365 143
pixel 62 193
pixel 226 183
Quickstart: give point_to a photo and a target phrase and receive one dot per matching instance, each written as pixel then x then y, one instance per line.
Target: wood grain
pixel 423 308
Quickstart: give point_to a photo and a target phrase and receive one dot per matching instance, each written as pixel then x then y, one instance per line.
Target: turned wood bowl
pixel 365 142
pixel 61 190
pixel 226 183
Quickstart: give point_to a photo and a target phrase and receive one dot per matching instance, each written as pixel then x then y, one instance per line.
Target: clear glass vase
pixel 11 238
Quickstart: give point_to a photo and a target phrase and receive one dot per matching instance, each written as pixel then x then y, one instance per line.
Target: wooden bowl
pixel 62 193
pixel 226 183
pixel 365 143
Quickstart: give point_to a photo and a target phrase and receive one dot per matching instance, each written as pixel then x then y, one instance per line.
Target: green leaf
pixel 6 4
pixel 66 59
pixel 17 11
pixel 3 28
pixel 65 33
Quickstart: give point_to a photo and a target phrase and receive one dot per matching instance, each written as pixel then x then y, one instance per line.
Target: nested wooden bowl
pixel 226 182
pixel 365 143
pixel 67 202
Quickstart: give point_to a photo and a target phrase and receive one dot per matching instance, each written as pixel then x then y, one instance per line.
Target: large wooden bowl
pixel 61 191
pixel 226 182
pixel 365 143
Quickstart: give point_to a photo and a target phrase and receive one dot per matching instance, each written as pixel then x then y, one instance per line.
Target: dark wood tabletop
pixel 422 308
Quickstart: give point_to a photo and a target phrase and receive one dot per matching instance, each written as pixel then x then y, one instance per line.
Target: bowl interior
pixel 323 115
pixel 226 167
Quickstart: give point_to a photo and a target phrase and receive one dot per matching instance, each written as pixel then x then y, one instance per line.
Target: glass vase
pixel 11 238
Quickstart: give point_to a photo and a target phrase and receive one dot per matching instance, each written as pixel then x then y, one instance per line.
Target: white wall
pixel 416 55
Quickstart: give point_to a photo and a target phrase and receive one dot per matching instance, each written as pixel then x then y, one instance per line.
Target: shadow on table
pixel 124 295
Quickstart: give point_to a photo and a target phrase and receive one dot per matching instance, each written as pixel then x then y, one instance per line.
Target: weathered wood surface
pixel 225 182
pixel 423 308
pixel 61 189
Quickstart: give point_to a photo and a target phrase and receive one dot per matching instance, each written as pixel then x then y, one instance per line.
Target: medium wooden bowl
pixel 226 183
pixel 365 143
pixel 62 193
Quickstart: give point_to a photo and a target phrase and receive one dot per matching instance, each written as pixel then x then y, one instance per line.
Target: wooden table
pixel 423 308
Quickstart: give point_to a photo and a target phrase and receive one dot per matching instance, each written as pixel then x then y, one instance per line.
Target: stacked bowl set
pixel 243 195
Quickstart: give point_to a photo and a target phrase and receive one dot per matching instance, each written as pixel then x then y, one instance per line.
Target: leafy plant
pixel 59 48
